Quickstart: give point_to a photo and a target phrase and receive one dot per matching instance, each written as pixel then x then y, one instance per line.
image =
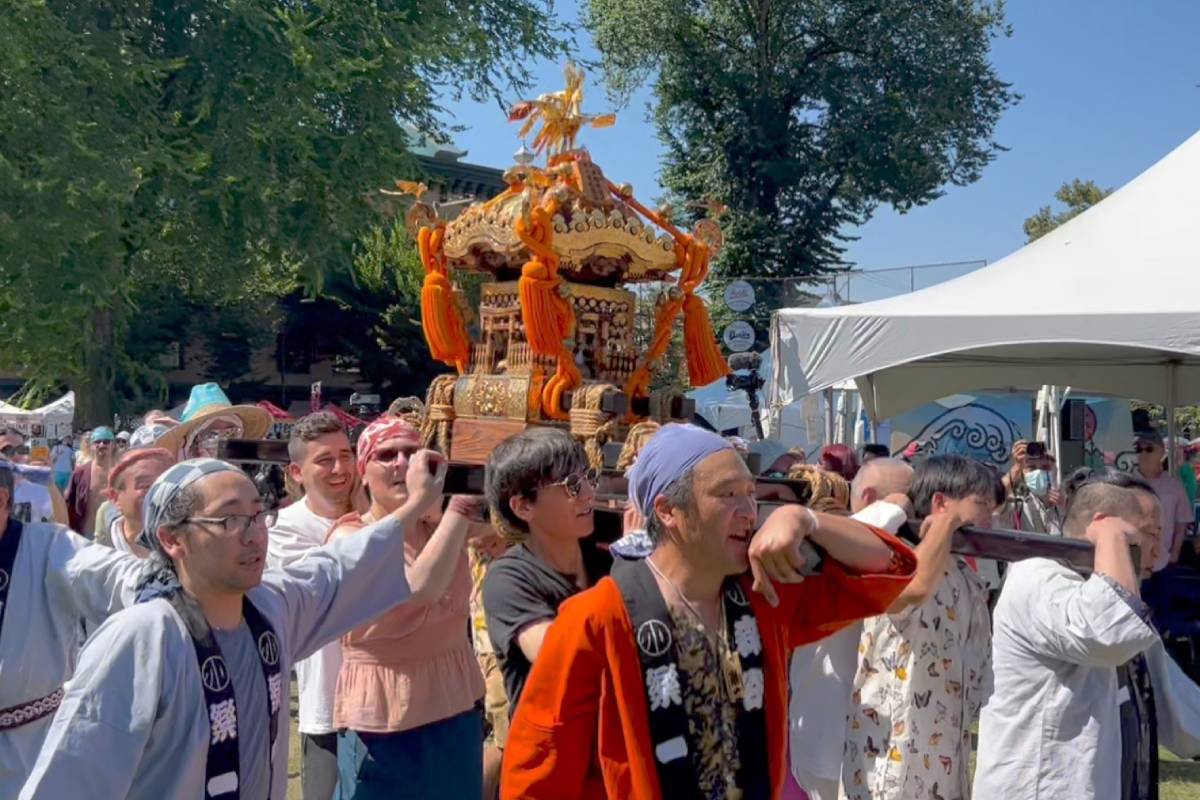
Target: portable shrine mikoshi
pixel 556 325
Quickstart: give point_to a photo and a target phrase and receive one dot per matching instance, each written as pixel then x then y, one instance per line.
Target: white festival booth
pixel 52 421
pixel 1108 303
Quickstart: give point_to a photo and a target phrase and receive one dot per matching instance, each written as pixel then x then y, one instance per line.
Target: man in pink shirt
pixel 1176 513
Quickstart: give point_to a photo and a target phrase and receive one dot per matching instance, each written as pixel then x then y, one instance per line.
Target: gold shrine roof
pixel 597 240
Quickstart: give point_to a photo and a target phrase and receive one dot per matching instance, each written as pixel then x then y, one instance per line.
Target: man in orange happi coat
pixel 669 678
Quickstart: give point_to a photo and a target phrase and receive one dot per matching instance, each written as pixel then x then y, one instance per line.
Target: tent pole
pixel 1171 460
pixel 829 416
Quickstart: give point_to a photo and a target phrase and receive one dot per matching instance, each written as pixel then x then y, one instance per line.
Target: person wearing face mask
pixel 1034 502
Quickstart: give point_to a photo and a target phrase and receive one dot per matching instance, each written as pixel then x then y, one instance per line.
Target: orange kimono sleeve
pixel 825 603
pixel 552 739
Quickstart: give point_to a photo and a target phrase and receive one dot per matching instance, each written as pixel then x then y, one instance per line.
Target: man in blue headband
pixel 669 679
pixel 179 697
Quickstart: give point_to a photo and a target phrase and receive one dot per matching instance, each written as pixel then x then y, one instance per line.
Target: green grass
pixel 1178 780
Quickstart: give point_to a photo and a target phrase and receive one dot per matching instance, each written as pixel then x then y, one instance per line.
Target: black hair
pixel 956 477
pixel 1101 490
pixel 525 462
pixel 876 450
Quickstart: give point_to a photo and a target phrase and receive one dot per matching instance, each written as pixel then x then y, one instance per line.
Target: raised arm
pixel 933 554
pixel 430 574
pixel 1094 622
pixel 354 579
pixel 819 605
pixel 776 553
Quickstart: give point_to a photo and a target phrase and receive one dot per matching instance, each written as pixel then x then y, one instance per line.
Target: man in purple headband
pixel 670 677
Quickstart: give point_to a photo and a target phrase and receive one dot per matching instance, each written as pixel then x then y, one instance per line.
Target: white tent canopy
pixel 1108 303
pixel 800 424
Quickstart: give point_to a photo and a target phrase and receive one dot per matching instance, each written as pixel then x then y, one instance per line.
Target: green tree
pixel 1078 196
pixel 157 152
pixel 802 116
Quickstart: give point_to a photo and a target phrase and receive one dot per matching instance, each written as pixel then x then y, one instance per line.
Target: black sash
pixel 8 556
pixel 222 780
pixel 665 682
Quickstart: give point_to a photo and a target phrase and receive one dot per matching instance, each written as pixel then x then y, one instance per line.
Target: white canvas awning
pixel 1108 303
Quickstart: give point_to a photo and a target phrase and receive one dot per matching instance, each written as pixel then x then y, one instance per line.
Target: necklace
pixel 713 636
pixel 717 641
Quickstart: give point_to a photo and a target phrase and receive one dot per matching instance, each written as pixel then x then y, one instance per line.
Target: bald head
pixel 877 479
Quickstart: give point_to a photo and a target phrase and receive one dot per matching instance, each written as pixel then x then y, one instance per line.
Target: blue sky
pixel 1109 86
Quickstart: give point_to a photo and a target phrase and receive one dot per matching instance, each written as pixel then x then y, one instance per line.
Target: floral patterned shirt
pixel 922 677
pixel 711 700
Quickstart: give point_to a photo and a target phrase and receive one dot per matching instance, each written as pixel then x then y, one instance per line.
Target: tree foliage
pixel 802 116
pixel 1078 196
pixel 163 152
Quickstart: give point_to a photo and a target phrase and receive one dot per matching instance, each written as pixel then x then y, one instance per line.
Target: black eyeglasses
pixel 573 484
pixel 238 524
pixel 1144 448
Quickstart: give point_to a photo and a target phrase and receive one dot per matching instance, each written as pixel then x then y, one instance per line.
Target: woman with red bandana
pixel 408 692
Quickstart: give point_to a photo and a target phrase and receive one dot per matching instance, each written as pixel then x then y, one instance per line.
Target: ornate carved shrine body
pixel 556 332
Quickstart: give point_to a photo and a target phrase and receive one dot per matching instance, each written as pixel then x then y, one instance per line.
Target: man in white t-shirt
pixel 323 466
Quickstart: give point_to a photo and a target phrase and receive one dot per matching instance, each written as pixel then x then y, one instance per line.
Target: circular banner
pixel 739 336
pixel 739 296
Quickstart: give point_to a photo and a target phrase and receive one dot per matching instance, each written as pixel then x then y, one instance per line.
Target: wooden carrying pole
pixel 998 544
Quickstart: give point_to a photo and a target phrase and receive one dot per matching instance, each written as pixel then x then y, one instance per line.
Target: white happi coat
pixel 1052 727
pixel 60 585
pixel 134 723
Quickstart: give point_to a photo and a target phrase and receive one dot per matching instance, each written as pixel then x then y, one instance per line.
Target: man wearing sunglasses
pixel 85 493
pixel 1176 513
pixel 182 695
pixel 540 491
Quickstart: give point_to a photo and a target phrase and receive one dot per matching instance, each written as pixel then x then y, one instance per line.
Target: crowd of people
pixel 765 628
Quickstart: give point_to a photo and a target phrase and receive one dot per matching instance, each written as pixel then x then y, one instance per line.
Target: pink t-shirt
pixel 1175 513
pixel 414 664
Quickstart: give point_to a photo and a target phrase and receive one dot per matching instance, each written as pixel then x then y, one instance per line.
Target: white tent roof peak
pixel 1105 303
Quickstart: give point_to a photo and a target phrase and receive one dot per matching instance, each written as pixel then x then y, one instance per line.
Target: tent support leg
pixel 829 416
pixel 1172 464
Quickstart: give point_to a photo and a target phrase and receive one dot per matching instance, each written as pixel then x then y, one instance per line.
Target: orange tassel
pixel 441 318
pixel 548 317
pixel 704 360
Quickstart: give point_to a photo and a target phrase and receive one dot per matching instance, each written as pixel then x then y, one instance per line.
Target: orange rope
pixel 704 359
pixel 441 319
pixel 548 316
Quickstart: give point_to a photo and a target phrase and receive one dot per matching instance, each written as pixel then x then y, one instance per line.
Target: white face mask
pixel 1038 481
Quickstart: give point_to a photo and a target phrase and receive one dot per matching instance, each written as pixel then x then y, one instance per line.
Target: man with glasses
pixel 540 490
pixel 1176 514
pixel 181 694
